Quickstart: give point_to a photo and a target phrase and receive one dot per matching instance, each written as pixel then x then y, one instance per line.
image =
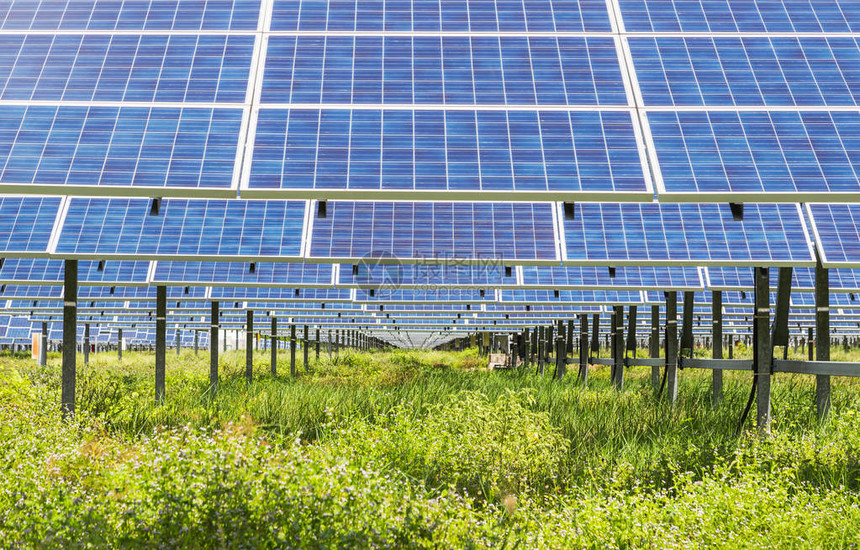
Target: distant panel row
pixel 607 234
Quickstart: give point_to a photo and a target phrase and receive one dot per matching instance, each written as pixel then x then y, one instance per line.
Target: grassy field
pixel 416 449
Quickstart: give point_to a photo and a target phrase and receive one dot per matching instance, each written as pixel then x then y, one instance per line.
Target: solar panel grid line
pixel 445 154
pixel 121 151
pixel 740 17
pixel 415 71
pixel 743 71
pixel 128 16
pixel 143 69
pixel 472 17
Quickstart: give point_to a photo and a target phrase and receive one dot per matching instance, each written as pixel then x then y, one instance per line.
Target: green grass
pixel 417 449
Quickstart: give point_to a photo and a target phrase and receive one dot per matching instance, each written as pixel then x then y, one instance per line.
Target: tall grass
pixel 450 454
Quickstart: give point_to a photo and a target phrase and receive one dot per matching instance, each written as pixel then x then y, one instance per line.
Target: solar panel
pixel 66 149
pixel 485 155
pixel 414 232
pixel 391 277
pixel 138 293
pixel 452 70
pixel 740 15
pixel 243 274
pixel 411 296
pixel 842 300
pixel 589 277
pixel 113 15
pixel 432 15
pixel 571 297
pixel 686 234
pixel 40 270
pixel 26 224
pixel 836 228
pixel 772 71
pixel 182 229
pixel 30 292
pixel 752 156
pixel 102 67
pixel 280 294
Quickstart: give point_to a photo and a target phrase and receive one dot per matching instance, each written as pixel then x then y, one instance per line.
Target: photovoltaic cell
pixel 772 71
pixel 640 278
pixel 732 278
pixel 740 16
pixel 398 276
pixel 687 234
pixel 571 296
pixel 47 67
pixel 35 292
pixel 456 295
pixel 453 151
pixel 776 154
pixel 183 229
pixel 193 15
pixel 280 294
pixel 443 70
pixel 234 273
pixel 837 232
pixel 89 272
pixel 26 223
pixel 110 147
pixel 432 15
pixel 390 231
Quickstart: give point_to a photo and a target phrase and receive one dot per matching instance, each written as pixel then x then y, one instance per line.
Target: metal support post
pixel 822 338
pixel 249 345
pixel 717 350
pixel 160 340
pixel 70 335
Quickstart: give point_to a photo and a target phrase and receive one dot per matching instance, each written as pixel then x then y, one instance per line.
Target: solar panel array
pixel 303 156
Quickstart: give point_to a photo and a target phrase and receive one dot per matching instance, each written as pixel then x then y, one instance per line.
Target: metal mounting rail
pixel 655 362
pixel 715 364
pixel 605 361
pixel 824 368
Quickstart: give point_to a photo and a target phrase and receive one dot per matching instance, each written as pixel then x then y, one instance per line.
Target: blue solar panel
pixel 232 273
pixel 571 296
pixel 182 229
pixel 453 151
pixel 766 155
pixel 129 147
pixel 772 71
pixel 278 294
pixel 450 295
pixel 89 272
pixel 434 232
pixel 139 293
pixel 125 68
pixel 424 276
pixel 837 233
pixel 26 223
pixel 740 15
pixel 30 291
pixel 687 234
pixel 443 70
pixel 844 300
pixel 658 277
pixel 432 15
pixel 191 15
pixel 732 278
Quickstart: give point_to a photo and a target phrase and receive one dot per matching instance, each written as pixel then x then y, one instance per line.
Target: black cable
pixel 754 383
pixel 749 405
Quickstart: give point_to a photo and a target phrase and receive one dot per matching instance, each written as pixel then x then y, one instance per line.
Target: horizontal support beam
pixel 715 364
pixel 823 368
pixel 605 361
pixel 656 362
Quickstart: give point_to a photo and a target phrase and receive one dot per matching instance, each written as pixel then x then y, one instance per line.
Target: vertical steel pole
pixel 672 345
pixel 822 338
pixel 214 326
pixel 292 350
pixel 160 340
pixel 274 345
pixel 717 350
pixel 70 335
pixel 654 345
pixel 249 345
